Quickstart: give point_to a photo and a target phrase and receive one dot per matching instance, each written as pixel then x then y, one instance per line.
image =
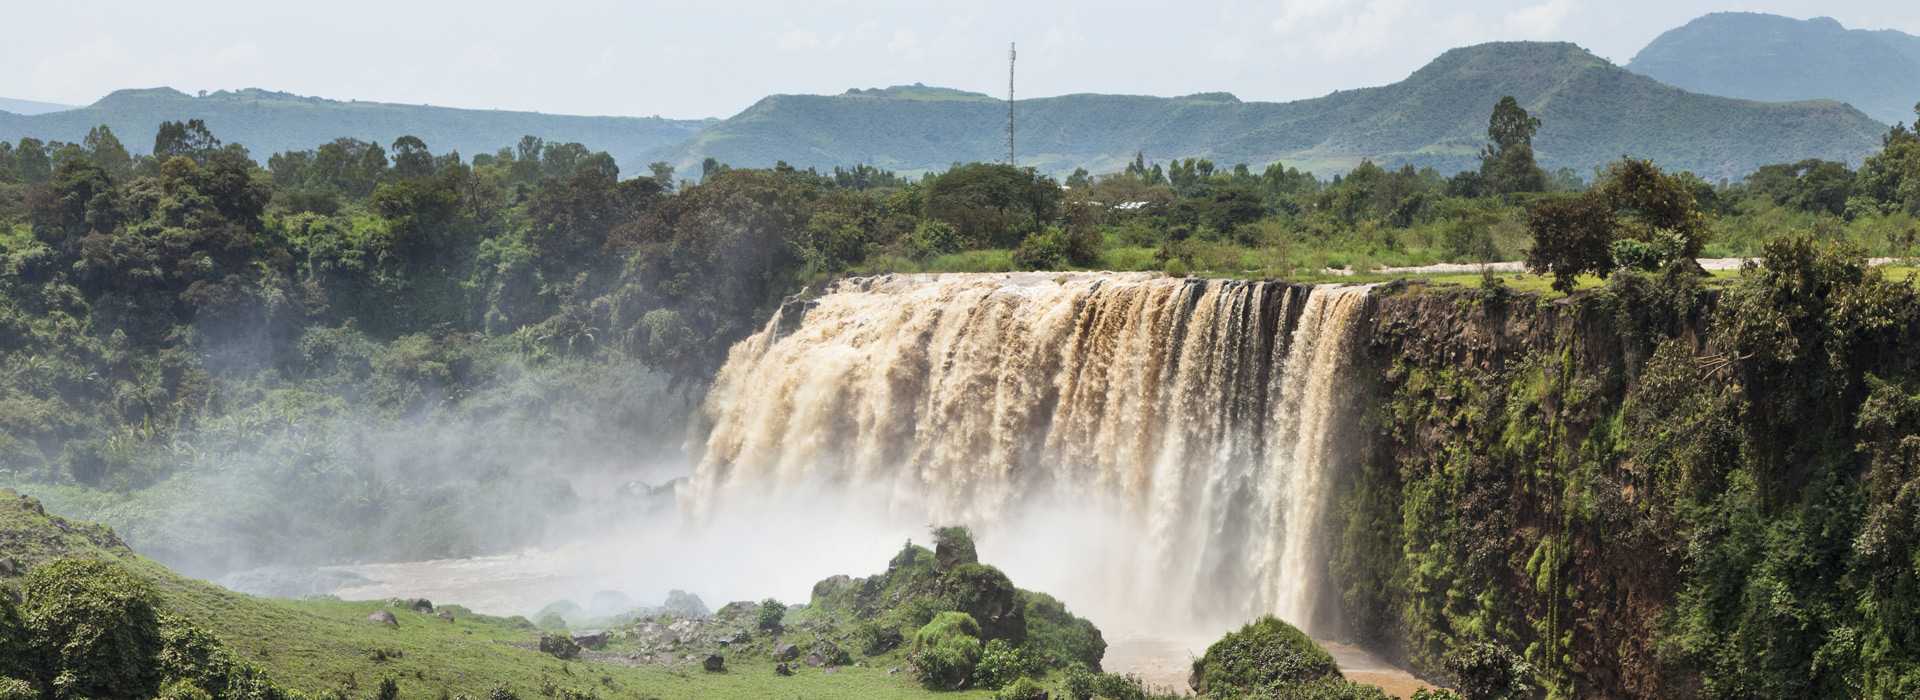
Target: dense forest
pixel 413 350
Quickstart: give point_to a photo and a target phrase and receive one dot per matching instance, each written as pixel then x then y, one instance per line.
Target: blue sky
pixel 694 59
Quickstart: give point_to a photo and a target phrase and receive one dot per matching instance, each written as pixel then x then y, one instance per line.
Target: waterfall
pixel 1200 415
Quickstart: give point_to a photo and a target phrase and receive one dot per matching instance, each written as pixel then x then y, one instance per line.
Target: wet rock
pixel 591 640
pixel 715 663
pixel 559 645
pixel 383 617
pixel 783 669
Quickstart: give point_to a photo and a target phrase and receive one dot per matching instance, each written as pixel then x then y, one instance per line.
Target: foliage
pixel 94 628
pixel 1022 688
pixel 768 618
pixel 945 651
pixel 1262 656
pixel 1002 663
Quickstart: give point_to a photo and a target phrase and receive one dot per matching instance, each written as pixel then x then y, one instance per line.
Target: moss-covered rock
pixel 1265 655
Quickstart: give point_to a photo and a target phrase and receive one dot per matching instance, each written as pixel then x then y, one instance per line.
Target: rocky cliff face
pixel 1599 485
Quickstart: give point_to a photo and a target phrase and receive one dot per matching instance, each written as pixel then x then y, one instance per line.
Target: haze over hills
pixel 270 122
pixel 1769 57
pixel 1593 111
pixel 8 104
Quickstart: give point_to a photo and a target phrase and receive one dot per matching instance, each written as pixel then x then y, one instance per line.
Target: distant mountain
pixel 1769 57
pixel 8 104
pixel 271 122
pixel 1594 112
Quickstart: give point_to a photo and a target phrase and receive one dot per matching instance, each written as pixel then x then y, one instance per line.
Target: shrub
pixel 1436 694
pixel 389 690
pixel 1022 688
pixel 932 239
pixel 1002 663
pixel 771 612
pixel 96 626
pixel 1175 267
pixel 13 639
pixel 1259 658
pixel 1487 671
pixel 945 651
pixel 1046 250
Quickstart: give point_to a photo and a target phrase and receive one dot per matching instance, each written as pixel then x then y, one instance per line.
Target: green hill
pixel 314 647
pixel 271 122
pixel 1594 112
pixel 1768 57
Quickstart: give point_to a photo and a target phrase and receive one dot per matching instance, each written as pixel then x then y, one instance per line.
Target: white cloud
pixel 1538 21
pixel 797 40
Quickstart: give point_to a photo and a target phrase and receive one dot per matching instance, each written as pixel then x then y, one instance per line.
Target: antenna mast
pixel 1011 54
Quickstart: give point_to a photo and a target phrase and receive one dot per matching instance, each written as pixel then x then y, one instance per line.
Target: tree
pixel 1572 236
pixel 992 204
pixel 1507 164
pixel 662 174
pixel 411 159
pixel 1637 216
pixel 30 162
pixel 190 139
pixel 108 152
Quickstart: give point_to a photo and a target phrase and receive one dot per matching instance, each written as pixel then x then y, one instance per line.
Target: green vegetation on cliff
pixel 1652 489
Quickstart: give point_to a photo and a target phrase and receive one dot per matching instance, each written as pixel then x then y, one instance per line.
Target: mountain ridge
pixel 268 122
pixel 1761 56
pixel 1593 112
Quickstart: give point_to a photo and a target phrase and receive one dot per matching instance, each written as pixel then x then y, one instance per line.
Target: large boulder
pixel 715 663
pixel 383 617
pixel 786 652
pixel 559 645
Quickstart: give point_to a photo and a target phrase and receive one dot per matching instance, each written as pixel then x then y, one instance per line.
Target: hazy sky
pixel 694 59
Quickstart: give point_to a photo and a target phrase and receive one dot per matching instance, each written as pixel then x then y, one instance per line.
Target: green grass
pixel 314 646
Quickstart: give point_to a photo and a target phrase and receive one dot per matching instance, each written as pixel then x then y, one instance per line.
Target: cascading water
pixel 1201 416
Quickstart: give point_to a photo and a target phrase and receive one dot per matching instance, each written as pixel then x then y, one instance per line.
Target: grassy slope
pixel 1593 112
pixel 316 645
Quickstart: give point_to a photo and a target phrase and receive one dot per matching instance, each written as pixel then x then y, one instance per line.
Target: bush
pixel 1002 663
pixel 1175 267
pixel 1487 671
pixel 771 612
pixel 1022 688
pixel 13 639
pixel 1046 250
pixel 932 239
pixel 945 651
pixel 96 628
pixel 1261 657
